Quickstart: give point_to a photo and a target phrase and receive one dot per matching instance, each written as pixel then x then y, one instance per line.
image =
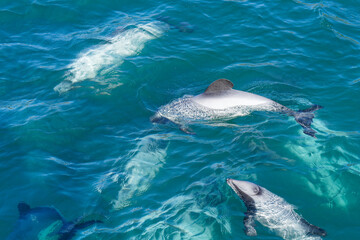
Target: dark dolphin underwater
pixel 83 85
pixel 45 223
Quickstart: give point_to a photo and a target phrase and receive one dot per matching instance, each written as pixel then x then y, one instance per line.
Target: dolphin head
pixel 249 192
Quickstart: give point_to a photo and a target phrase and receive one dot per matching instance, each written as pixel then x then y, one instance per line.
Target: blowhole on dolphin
pixel 221 101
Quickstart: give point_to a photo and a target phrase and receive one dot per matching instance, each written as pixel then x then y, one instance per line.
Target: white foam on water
pixel 141 169
pixel 103 58
pixel 106 180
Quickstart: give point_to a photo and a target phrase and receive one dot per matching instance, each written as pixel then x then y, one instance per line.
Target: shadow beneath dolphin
pixel 45 223
pixel 182 26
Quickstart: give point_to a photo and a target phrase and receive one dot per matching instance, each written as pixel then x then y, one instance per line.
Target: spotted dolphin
pixel 221 101
pixel 273 212
pixel 45 223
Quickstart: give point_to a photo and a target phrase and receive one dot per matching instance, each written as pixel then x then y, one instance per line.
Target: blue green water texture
pixel 81 79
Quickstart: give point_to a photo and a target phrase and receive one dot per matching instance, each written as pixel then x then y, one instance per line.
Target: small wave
pixel 171 219
pixel 103 58
pixel 330 17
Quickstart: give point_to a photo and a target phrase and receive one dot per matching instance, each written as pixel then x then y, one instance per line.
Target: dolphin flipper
pixel 305 118
pixel 186 130
pixel 163 120
pixel 157 118
pixel 249 224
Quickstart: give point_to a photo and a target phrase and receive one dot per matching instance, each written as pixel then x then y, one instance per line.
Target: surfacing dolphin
pixel 45 223
pixel 273 212
pixel 221 101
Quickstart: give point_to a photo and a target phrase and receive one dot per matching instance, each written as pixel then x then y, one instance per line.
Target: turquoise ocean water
pixel 79 81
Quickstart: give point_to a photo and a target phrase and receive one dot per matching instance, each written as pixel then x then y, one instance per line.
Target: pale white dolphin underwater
pixel 273 212
pixel 221 101
pixel 141 169
pixel 104 57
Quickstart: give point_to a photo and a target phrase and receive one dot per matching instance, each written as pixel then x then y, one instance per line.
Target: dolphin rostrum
pixel 221 101
pixel 45 223
pixel 273 212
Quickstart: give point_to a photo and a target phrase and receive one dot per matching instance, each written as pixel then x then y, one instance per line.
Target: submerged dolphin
pixel 273 212
pixel 141 169
pixel 45 223
pixel 221 101
pixel 102 58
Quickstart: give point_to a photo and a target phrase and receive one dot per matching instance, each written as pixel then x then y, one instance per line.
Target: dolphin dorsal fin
pixel 23 208
pixel 219 85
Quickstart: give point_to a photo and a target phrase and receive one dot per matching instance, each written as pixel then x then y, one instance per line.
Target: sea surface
pixel 80 80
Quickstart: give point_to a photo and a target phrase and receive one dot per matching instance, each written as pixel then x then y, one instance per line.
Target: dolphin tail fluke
pixel 69 230
pixel 314 230
pixel 305 118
